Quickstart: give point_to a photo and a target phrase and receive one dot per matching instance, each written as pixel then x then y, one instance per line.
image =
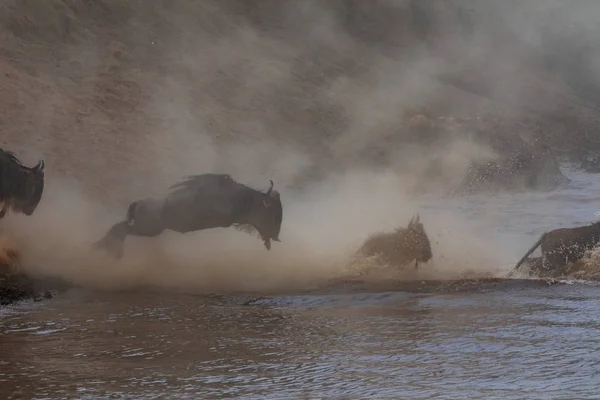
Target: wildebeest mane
pixel 401 230
pixel 196 181
pixel 12 157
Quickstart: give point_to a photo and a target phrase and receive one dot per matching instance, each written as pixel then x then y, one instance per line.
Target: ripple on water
pixel 535 344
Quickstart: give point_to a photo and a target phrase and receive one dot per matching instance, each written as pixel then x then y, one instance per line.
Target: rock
pixel 522 169
pixel 591 164
pixel 15 287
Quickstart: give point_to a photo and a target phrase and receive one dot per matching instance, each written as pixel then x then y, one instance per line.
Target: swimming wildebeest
pixel 402 246
pixel 200 202
pixel 564 245
pixel 21 187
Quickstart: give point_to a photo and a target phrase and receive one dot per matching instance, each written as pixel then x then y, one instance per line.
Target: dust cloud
pixel 242 127
pixel 322 229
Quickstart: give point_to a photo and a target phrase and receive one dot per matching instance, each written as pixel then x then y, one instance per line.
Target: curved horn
pixel 270 188
pixel 40 165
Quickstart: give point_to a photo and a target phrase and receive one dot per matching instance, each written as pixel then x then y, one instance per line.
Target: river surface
pixel 510 340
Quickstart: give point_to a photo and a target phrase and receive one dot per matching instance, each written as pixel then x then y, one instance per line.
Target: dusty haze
pixel 123 100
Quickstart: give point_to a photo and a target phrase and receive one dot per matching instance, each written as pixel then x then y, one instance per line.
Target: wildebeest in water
pixel 402 246
pixel 21 187
pixel 564 245
pixel 200 202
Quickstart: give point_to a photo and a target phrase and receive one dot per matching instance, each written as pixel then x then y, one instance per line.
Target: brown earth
pixel 102 89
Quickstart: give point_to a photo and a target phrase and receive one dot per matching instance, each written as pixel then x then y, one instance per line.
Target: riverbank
pixel 17 285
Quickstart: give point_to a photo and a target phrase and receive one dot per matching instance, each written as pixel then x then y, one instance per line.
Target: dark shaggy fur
pixel 400 247
pixel 200 202
pixel 565 245
pixel 21 187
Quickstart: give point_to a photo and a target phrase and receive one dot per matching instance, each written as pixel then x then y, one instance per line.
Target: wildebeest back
pixel 564 245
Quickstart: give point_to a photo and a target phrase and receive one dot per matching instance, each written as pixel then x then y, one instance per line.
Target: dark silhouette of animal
pixel 565 245
pixel 21 187
pixel 401 246
pixel 200 202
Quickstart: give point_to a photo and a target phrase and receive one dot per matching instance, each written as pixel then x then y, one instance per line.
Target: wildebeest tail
pixel 531 250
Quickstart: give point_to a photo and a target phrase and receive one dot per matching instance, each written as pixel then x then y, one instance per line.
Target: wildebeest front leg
pixel 416 264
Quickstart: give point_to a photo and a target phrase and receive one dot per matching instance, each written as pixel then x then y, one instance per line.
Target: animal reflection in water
pixel 563 246
pixel 400 247
pixel 200 202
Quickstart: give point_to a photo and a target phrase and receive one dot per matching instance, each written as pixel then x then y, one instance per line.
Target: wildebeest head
pixel 417 240
pixel 268 216
pixel 21 187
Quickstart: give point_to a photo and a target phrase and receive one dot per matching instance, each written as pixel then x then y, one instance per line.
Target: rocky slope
pixel 122 95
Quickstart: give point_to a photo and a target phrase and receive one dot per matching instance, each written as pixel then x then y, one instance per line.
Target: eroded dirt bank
pixel 123 96
pixel 122 99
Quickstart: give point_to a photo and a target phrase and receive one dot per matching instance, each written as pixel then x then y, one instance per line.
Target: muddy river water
pixel 511 340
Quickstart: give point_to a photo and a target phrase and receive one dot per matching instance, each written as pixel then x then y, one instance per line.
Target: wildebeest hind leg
pixel 114 240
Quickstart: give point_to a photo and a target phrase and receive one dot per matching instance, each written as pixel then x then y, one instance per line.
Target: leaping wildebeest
pixel 200 202
pixel 401 246
pixel 564 245
pixel 21 187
